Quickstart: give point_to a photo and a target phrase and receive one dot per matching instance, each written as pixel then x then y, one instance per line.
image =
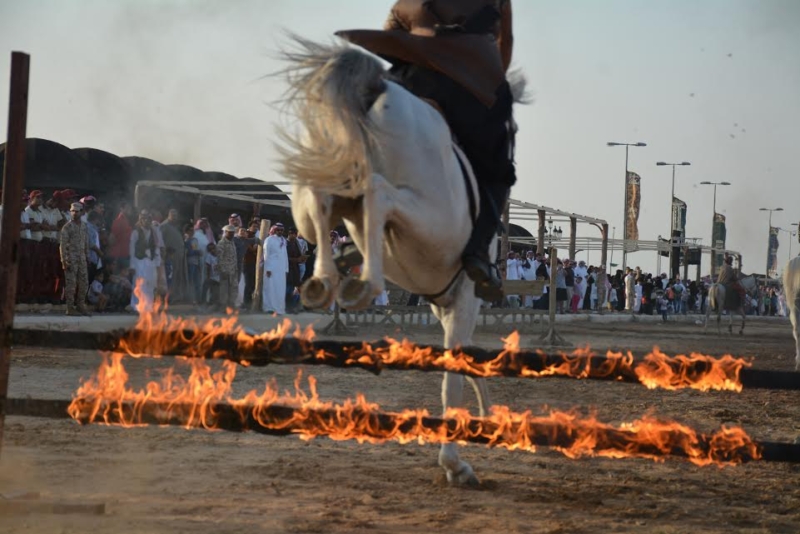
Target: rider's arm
pixel 506 39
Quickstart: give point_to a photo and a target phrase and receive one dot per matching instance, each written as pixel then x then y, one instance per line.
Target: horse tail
pixel 331 90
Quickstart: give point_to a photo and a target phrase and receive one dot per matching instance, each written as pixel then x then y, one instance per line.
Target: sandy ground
pixel 174 480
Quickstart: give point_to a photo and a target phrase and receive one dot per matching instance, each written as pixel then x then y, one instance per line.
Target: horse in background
pixel 791 291
pixel 384 161
pixel 718 302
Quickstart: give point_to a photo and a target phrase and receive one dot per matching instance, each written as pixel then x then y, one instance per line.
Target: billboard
pixel 718 235
pixel 772 253
pixel 633 197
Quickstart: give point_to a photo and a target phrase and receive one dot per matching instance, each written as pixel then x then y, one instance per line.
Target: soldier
pixel 228 268
pixel 74 254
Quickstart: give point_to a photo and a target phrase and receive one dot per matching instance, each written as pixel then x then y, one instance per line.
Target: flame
pixel 194 400
pixel 156 333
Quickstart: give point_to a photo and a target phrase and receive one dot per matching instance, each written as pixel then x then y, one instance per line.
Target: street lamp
pixel 625 211
pixel 791 234
pixel 713 218
pixel 673 272
pixel 552 233
pixel 770 210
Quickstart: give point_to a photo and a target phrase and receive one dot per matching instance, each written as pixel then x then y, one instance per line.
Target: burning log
pixel 224 340
pixel 570 434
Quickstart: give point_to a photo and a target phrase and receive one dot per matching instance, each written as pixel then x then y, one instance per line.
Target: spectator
pixel 121 230
pixel 194 263
pixel 95 296
pixel 303 244
pixel 228 269
pixel 53 273
pixel 296 259
pixel 242 243
pixel 175 258
pixel 145 258
pixel 117 287
pixel 276 265
pixel 210 292
pixel 663 305
pixel 74 254
pixel 94 222
pixel 161 271
pixel 88 206
pixel 204 237
pixel 249 262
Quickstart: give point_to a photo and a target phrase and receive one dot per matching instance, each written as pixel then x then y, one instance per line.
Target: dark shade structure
pixel 50 166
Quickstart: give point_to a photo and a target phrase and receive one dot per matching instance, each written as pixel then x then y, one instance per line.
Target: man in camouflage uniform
pixel 228 268
pixel 74 250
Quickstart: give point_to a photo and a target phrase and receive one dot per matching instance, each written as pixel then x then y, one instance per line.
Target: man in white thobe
pixel 145 259
pixel 276 267
pixel 630 292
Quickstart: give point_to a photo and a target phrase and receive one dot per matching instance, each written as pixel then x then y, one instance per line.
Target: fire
pixel 201 397
pixel 158 333
pixel 199 400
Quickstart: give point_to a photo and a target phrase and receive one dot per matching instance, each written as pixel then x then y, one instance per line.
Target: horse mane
pixel 333 154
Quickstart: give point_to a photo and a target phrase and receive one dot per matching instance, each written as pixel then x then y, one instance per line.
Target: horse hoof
pixel 354 294
pixel 316 293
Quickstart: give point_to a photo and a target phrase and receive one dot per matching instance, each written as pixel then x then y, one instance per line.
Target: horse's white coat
pixel 791 291
pixel 406 208
pixel 716 300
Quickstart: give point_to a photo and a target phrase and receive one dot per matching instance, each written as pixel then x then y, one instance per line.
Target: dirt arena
pixel 174 480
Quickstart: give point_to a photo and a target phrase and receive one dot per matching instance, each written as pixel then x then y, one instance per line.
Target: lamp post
pixel 552 233
pixel 713 221
pixel 673 272
pixel 625 211
pixel 770 210
pixel 791 234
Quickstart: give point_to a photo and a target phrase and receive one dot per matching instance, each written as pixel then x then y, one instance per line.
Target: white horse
pixel 791 291
pixel 384 161
pixel 716 300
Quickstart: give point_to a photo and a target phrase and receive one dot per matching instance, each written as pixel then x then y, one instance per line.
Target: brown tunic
pixel 412 34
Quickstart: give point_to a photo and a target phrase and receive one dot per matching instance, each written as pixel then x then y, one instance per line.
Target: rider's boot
pixel 478 265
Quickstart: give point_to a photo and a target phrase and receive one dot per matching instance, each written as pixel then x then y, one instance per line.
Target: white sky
pixel 713 82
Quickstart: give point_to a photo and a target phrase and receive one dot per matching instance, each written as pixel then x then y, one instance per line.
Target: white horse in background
pixel 791 291
pixel 373 154
pixel 716 300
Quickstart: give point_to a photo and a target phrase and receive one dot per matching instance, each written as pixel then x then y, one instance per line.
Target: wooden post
pixel 13 179
pixel 540 235
pixel 198 206
pixel 504 239
pixel 573 230
pixel 552 337
pixel 604 248
pixel 262 232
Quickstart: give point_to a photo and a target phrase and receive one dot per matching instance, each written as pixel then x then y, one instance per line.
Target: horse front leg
pixel 377 202
pixel 744 319
pixel 313 212
pixel 794 316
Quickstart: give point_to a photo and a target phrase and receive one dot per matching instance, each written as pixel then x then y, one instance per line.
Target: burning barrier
pixel 203 399
pixel 160 334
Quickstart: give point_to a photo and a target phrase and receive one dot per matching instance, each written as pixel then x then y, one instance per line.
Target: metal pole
pixel 613 236
pixel 671 226
pixel 713 243
pixel 625 216
pixel 769 235
pixel 13 179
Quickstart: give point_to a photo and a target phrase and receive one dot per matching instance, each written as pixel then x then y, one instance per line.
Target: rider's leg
pixel 486 137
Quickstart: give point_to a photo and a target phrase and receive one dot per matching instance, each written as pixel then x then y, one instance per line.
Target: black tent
pixel 50 166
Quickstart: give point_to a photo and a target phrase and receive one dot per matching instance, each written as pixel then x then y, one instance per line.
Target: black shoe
pixel 488 285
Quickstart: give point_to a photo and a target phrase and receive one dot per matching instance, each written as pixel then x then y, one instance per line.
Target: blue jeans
pixel 193 272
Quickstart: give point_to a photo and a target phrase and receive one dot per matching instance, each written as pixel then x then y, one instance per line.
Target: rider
pixel 456 53
pixel 729 277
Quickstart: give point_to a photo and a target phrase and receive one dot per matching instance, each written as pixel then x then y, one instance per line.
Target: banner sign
pixel 633 197
pixel 718 236
pixel 772 253
pixel 679 216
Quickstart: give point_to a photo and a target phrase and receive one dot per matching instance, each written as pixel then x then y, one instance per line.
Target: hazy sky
pixel 713 82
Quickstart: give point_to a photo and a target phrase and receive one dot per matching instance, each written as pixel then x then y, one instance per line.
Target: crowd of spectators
pixel 183 261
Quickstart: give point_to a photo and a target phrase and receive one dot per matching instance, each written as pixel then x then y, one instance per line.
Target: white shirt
pixel 513 270
pixel 52 216
pixel 23 217
pixel 35 216
pixel 583 272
